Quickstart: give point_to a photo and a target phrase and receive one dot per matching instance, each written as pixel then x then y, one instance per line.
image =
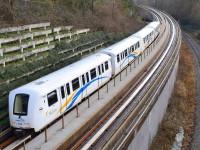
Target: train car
pixel 122 53
pixel 156 28
pixel 36 104
pixel 147 34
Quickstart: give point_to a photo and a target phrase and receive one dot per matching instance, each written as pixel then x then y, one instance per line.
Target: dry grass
pixel 181 108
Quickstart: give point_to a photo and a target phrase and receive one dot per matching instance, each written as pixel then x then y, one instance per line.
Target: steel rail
pixel 110 111
pixel 151 100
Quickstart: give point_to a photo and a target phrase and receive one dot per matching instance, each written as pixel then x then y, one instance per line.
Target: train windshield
pixel 21 104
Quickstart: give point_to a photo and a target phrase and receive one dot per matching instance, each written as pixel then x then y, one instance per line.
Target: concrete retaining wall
pixel 145 135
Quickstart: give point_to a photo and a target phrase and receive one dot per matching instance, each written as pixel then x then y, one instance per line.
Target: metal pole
pixel 88 102
pixel 98 94
pixel 126 71
pixel 107 86
pixel 45 134
pixel 24 146
pixel 98 90
pixel 63 125
pixel 130 67
pixel 120 75
pixel 77 113
pixel 134 63
pixel 114 80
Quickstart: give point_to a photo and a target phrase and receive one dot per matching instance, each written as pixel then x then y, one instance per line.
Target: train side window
pixel 132 48
pixel 102 67
pixel 118 59
pixel 68 89
pixel 106 65
pixel 87 77
pixel 125 52
pixel 121 56
pixel 93 73
pixel 138 44
pixel 83 79
pixel 52 98
pixel 99 69
pixel 62 90
pixel 75 84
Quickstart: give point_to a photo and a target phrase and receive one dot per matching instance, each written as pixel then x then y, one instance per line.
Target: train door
pixel 87 81
pixel 84 92
pixel 102 70
pixel 100 75
pixel 62 93
pixel 68 93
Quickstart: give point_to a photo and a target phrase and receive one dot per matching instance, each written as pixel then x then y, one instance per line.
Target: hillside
pixel 102 15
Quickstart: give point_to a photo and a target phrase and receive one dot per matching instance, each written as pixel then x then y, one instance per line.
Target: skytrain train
pixel 38 103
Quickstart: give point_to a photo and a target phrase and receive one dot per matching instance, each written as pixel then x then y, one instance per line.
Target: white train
pixel 36 104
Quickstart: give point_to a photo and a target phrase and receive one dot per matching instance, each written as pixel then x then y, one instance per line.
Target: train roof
pixel 146 30
pixel 120 46
pixel 62 76
pixel 153 24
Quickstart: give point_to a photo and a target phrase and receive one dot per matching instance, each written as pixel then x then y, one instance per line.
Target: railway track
pixel 98 136
pixel 194 47
pixel 7 137
pixel 193 44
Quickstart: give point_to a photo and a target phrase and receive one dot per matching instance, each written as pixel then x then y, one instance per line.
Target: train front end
pixel 20 111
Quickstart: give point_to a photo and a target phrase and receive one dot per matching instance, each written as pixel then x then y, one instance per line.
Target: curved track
pixel 106 127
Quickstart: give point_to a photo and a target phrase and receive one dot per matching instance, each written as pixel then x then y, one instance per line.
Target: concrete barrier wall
pixel 25 27
pixel 149 128
pixel 20 44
